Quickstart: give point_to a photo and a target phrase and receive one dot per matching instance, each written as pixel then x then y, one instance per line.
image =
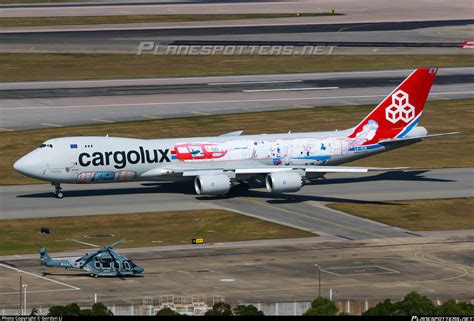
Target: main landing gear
pixel 57 190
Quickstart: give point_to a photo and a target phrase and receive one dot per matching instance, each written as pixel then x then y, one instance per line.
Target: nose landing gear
pixel 57 190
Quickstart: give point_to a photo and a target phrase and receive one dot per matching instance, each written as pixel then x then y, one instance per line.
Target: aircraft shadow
pixel 386 176
pixel 148 188
pixel 187 189
pixel 289 198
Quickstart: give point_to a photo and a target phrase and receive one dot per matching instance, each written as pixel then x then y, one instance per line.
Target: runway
pixel 262 271
pixel 304 210
pixel 274 86
pixel 86 102
pixel 361 11
pixel 350 36
pixel 242 32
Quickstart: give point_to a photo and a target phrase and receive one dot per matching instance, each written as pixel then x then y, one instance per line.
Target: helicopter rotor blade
pixel 85 243
pixel 113 245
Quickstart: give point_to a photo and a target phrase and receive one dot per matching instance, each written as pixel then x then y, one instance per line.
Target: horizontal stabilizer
pixel 408 138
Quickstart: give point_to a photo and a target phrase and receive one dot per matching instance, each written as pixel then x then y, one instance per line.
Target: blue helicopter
pixel 104 262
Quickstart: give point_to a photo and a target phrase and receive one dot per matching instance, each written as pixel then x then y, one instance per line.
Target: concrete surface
pixel 360 11
pixel 303 210
pixel 266 271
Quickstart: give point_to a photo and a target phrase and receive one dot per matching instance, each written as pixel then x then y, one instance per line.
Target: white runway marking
pixel 37 291
pixel 51 125
pixel 218 101
pixel 40 277
pixel 102 120
pixel 288 89
pixel 360 270
pixel 227 280
pixel 253 82
pixel 201 113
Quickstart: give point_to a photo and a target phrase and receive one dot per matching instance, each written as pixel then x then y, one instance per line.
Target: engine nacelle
pixel 217 184
pixel 284 182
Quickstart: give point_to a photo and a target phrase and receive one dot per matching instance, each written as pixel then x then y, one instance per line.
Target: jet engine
pixel 218 184
pixel 284 182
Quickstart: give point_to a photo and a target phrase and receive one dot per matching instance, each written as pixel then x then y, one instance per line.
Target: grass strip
pixel 39 66
pixel 417 215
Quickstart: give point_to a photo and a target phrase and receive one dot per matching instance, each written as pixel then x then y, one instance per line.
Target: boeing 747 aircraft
pixel 285 161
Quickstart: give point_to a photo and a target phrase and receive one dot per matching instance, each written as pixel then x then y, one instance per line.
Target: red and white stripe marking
pixel 467 45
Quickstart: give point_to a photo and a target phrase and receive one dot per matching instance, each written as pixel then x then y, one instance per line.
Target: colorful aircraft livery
pixel 216 164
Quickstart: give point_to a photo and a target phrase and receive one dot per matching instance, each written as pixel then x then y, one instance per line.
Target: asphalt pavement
pixel 101 101
pixel 304 209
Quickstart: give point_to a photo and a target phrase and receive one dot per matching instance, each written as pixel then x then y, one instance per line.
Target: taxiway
pixel 27 105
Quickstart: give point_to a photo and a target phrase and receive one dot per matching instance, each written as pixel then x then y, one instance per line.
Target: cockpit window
pixel 45 145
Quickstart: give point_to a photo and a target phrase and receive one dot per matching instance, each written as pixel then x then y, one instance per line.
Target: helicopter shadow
pixel 86 275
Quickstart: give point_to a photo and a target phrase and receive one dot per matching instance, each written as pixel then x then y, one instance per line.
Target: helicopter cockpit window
pixel 126 265
pixel 106 261
pixel 132 264
pixel 116 265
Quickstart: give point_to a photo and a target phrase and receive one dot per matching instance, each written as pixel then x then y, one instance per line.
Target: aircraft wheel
pixel 91 275
pixel 96 276
pixel 59 195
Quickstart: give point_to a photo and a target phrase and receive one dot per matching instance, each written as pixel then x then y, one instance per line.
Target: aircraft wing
pixel 249 167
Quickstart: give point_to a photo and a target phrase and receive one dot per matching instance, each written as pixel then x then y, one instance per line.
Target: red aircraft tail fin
pixel 400 111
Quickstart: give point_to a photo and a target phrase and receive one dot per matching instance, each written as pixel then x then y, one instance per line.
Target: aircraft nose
pixel 26 166
pixel 20 165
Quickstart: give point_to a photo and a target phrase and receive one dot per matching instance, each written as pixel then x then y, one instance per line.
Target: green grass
pixel 438 116
pixel 38 66
pixel 93 20
pixel 139 230
pixel 417 215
